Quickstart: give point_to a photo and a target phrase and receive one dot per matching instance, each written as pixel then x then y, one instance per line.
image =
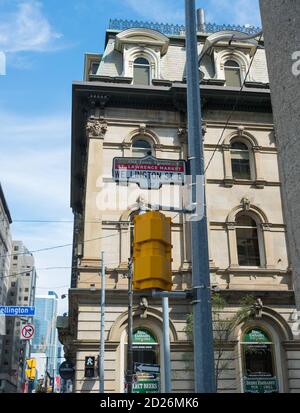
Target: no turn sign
pixel 27 332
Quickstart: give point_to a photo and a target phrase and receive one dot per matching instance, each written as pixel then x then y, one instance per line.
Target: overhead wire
pixel 233 109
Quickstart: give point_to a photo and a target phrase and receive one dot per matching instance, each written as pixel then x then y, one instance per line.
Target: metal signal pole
pixel 129 373
pixel 202 318
pixel 102 338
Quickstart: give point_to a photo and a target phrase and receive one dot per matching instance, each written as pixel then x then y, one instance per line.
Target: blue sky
pixel 44 42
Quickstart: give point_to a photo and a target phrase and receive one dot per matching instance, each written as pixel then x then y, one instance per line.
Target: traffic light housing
pixel 89 366
pixel 30 371
pixel 152 252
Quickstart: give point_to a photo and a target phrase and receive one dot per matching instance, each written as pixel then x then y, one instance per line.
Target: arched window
pixel 247 241
pixel 240 160
pixel 232 73
pixel 141 71
pixel 258 362
pixel 145 352
pixel 141 148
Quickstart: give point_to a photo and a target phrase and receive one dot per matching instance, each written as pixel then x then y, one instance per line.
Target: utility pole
pixel 202 317
pixel 102 338
pixel 129 372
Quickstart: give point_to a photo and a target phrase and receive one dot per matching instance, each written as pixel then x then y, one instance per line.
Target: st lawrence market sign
pixel 149 172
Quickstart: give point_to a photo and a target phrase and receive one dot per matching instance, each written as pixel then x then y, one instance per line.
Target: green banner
pixel 143 337
pixel 256 336
pixel 146 386
pixel 260 385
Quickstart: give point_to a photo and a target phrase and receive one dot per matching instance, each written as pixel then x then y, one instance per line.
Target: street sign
pixel 146 386
pixel 17 310
pixel 149 172
pixel 260 385
pixel 27 332
pixel 149 368
pixel 66 370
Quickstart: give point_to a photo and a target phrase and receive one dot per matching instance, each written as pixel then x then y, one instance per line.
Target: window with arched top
pixel 259 364
pixel 141 148
pixel 247 239
pixel 240 160
pixel 232 73
pixel 141 71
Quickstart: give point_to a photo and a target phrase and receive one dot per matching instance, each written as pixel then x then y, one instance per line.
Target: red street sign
pixel 149 172
pixel 27 332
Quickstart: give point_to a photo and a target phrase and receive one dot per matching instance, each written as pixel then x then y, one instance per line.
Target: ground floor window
pixel 258 362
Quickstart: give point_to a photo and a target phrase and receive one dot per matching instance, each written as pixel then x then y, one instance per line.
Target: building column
pixel 259 181
pixel 125 245
pixel 232 245
pixel 268 247
pixel 228 179
pixel 95 130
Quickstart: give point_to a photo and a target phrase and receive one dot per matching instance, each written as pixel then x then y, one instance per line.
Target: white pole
pixel 166 340
pixel 102 306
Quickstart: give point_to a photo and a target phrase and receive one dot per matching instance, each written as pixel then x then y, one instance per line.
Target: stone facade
pixel 5 251
pixel 110 113
pixel 21 292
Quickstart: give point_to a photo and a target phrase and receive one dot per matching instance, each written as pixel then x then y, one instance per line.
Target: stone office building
pixel 132 103
pixel 5 253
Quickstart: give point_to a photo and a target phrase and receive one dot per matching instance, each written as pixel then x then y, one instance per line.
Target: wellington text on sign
pixel 17 310
pixel 149 172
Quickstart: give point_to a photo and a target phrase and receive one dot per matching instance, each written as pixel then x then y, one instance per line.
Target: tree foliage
pixel 223 327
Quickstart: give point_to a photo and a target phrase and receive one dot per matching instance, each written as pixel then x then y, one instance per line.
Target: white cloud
pixel 27 29
pixel 35 173
pixel 35 162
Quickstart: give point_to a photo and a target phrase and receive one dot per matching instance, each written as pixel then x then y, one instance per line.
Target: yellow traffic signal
pixel 31 370
pixel 152 252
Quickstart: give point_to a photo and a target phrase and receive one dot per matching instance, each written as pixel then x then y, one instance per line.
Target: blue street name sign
pixel 17 310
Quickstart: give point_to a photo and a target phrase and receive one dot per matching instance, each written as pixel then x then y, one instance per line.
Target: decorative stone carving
pixel 181 132
pixel 142 128
pixel 96 128
pixel 257 308
pixel 240 130
pixel 246 203
pixel 143 307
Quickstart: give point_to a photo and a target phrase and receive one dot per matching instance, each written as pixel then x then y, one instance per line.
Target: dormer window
pixel 142 50
pixel 94 68
pixel 141 71
pixel 232 74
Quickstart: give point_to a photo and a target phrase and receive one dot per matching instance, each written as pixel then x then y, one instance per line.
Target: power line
pixel 232 111
pixel 57 246
pixel 64 245
pixel 46 269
